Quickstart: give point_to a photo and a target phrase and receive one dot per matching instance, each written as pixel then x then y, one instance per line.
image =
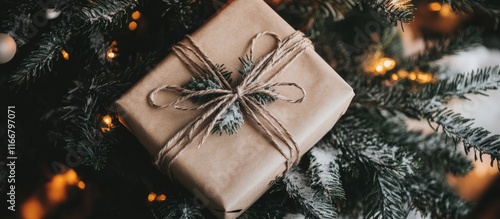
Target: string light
pixel 424 78
pixel 111 54
pixel 107 123
pixel 151 197
pixel 416 76
pixel 161 198
pixel 444 10
pixel 394 77
pixel 136 15
pixel 112 51
pixel 132 26
pixel 412 76
pixel 435 6
pixel 81 185
pixel 65 54
pixel 382 66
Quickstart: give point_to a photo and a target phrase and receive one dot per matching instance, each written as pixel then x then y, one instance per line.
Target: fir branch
pixel 435 199
pixel 473 5
pixel 386 198
pixel 183 11
pixel 460 129
pixel 40 60
pixel 313 205
pixel 324 172
pixel 387 164
pixel 475 82
pixel 373 93
pixel 177 208
pixel 316 13
pixel 393 11
pixel 105 12
pixel 463 40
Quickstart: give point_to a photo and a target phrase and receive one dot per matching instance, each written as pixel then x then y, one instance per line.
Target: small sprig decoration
pixel 232 118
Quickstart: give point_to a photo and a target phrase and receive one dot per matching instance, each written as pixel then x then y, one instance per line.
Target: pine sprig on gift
pixel 207 83
pixel 231 120
pixel 247 66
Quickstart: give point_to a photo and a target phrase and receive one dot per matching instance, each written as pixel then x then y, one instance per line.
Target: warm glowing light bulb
pixel 412 76
pixel 111 54
pixel 424 78
pixel 71 177
pixel 435 6
pixel 107 119
pixel 161 198
pixel 136 15
pixel 65 54
pixel 81 185
pixel 394 77
pixel 388 63
pixel 402 74
pixel 132 26
pixel 151 197
pixel 380 69
pixel 445 11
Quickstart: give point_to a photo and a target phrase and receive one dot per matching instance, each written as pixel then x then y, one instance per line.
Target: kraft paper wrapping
pixel 230 172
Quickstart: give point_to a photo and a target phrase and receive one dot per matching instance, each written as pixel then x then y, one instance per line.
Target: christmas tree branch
pixel 434 198
pixel 393 11
pixel 177 208
pixel 299 188
pixel 475 82
pixel 324 172
pixel 373 93
pixel 314 13
pixel 461 41
pixel 460 129
pixel 473 5
pixel 386 198
pixel 101 13
pixel 41 59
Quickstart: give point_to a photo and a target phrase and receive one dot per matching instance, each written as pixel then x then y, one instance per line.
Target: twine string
pixel 199 64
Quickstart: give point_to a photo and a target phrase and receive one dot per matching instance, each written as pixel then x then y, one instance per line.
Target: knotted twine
pixel 200 65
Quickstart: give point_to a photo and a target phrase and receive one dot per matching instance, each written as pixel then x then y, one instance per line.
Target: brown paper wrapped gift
pixel 230 172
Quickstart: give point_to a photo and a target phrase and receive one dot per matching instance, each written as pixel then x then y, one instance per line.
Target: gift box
pixel 229 172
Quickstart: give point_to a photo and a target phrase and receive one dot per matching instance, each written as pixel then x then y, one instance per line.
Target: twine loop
pixel 199 64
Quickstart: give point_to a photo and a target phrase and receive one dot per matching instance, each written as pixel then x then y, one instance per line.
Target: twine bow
pixel 289 48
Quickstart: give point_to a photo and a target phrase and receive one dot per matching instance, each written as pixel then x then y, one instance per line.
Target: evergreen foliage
pixel 368 166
